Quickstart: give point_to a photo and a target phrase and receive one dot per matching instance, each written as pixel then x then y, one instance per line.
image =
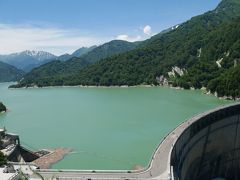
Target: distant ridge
pixel 27 60
pixel 78 53
pixel 9 73
pixel 74 65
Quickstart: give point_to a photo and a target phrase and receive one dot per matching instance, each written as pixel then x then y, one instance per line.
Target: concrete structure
pixel 8 143
pixel 14 174
pixel 210 147
pixel 10 146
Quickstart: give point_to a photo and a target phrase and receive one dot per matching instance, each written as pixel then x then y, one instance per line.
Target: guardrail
pixel 15 176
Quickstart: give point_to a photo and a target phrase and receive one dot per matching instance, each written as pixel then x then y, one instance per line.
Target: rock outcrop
pixel 2 107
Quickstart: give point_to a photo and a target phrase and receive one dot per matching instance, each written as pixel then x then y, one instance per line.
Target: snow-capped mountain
pixel 39 55
pixel 27 60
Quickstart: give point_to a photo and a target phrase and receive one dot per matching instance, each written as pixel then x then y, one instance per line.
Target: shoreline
pixel 81 86
pixel 203 89
pixel 54 156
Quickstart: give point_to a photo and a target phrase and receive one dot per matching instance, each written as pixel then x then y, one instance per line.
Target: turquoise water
pixel 108 128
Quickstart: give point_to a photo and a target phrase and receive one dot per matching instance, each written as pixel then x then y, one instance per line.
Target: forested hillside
pixel 220 52
pixel 203 48
pixel 74 65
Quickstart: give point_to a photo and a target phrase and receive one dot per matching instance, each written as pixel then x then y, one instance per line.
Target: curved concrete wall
pixel 210 147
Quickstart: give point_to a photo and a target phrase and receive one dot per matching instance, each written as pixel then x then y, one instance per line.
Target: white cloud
pixel 126 37
pixel 147 30
pixel 54 40
pixel 16 38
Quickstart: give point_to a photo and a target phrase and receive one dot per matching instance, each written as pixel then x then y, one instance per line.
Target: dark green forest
pixel 74 65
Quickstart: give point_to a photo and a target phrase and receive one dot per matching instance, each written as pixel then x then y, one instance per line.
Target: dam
pixel 206 146
pixel 210 147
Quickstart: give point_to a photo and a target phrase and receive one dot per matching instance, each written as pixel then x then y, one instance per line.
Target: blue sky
pixel 61 26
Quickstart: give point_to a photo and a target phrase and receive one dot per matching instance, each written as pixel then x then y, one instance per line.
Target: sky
pixel 62 26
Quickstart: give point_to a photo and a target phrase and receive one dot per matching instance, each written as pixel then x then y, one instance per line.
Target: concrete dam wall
pixel 210 147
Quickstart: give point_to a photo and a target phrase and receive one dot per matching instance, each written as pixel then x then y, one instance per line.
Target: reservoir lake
pixel 107 128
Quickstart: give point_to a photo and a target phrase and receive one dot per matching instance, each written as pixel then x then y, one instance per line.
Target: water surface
pixel 108 128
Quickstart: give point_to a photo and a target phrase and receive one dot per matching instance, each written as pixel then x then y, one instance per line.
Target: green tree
pixel 3 159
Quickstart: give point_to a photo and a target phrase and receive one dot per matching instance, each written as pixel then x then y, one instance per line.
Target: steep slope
pixel 227 84
pixel 9 73
pixel 58 68
pixel 220 52
pixel 201 61
pixel 195 47
pixel 27 60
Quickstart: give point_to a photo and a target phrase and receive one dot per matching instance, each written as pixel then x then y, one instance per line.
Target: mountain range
pixel 14 66
pixel 9 73
pixel 27 60
pixel 74 65
pixel 202 52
